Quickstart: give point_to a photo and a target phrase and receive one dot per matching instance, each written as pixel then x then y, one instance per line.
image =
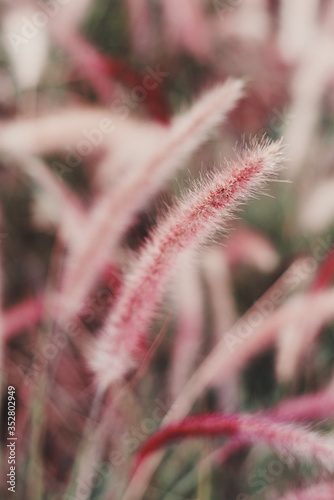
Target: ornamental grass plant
pixel 166 248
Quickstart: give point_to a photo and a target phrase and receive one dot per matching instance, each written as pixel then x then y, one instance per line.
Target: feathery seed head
pixel 188 224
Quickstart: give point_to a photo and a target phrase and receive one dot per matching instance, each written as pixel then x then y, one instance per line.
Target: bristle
pixel 188 224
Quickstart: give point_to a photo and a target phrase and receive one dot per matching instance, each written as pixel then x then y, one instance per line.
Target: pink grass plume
pixel 22 316
pixel 27 60
pixel 288 440
pixel 114 213
pixel 190 223
pixel 246 245
pixel 310 313
pixel 187 30
pixel 314 406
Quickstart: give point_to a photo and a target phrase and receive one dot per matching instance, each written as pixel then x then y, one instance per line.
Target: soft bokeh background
pixel 66 66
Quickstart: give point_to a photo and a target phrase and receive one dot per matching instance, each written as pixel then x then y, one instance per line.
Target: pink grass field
pixel 167 249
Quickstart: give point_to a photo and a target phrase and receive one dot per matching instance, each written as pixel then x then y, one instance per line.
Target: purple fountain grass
pixel 298 334
pixel 28 63
pixel 71 211
pixel 249 246
pixel 22 316
pixel 311 407
pixel 115 212
pixel 62 130
pixel 190 223
pixel 307 408
pixel 187 30
pixel 96 129
pixel 64 30
pixel 287 439
pixel 223 363
pixel 295 19
pixel 246 339
pixel 322 491
pixel 316 406
pixel 309 84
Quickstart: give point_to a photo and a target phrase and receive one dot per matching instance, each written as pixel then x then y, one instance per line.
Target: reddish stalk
pixel 285 438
